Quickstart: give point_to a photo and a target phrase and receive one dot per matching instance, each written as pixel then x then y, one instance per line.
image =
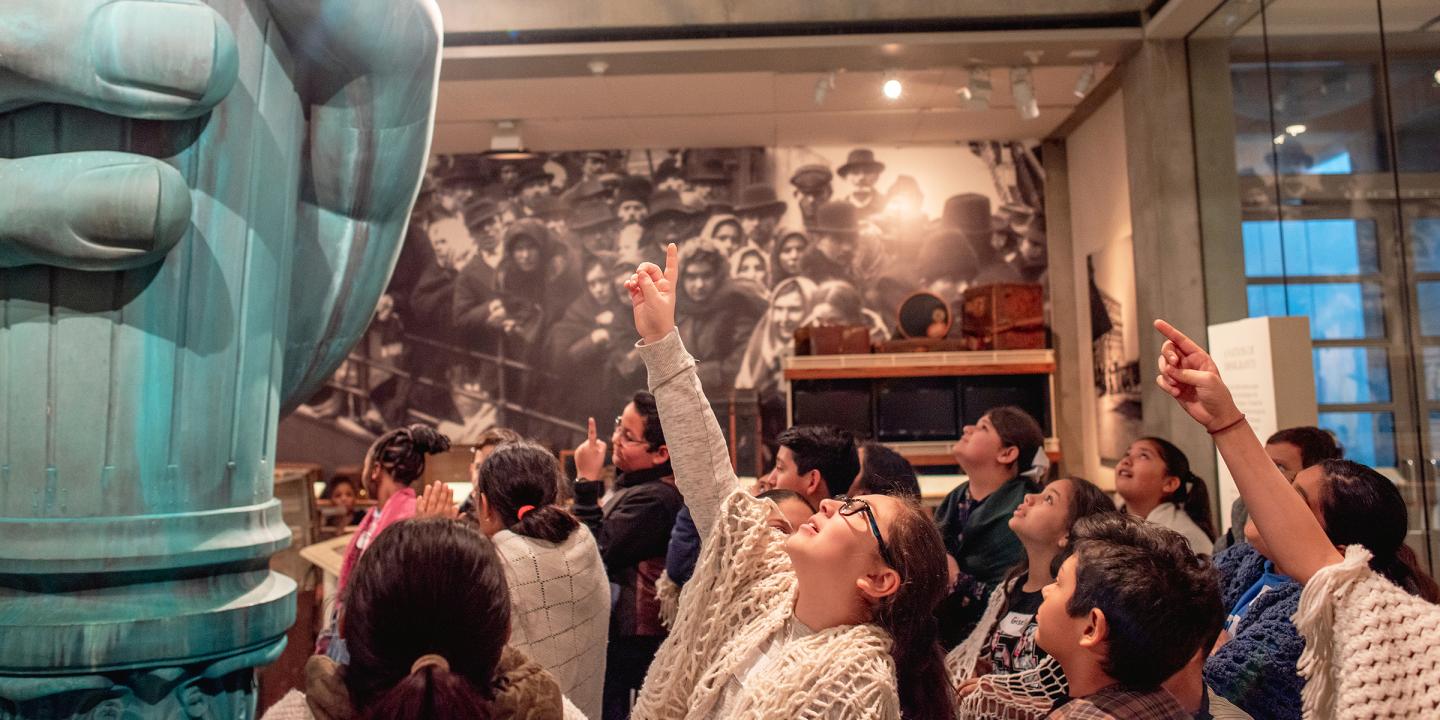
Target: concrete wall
pixel 1099 199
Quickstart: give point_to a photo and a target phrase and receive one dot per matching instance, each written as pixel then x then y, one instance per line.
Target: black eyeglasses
pixel 849 506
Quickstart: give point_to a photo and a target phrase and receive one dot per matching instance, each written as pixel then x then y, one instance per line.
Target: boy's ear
pixel 661 454
pixel 814 484
pixel 1008 455
pixel 1096 630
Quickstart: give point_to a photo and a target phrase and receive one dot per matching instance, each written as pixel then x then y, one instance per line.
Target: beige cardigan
pixel 743 590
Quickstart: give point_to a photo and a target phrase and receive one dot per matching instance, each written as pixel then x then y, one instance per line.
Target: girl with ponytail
pixel 394 461
pixel 559 591
pixel 1155 483
pixel 428 615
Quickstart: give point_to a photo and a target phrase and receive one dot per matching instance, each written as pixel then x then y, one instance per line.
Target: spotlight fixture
pixel 823 86
pixel 892 87
pixel 1024 93
pixel 505 143
pixel 975 93
pixel 1294 130
pixel 1085 81
pixel 1280 139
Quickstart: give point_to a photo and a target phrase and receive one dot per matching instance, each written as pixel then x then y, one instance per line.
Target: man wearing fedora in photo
pixel 632 200
pixel 483 219
pixel 812 189
pixel 835 241
pixel 554 212
pixel 592 227
pixel 591 189
pixel 534 182
pixel 760 209
pixel 706 183
pixel 862 171
pixel 969 215
pixel 670 220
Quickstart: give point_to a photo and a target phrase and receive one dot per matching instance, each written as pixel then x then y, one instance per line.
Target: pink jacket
pixel 400 506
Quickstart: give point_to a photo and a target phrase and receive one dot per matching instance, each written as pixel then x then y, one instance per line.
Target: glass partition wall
pixel 1318 132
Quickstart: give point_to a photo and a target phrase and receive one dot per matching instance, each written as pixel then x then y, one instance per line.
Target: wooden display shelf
pixel 937 364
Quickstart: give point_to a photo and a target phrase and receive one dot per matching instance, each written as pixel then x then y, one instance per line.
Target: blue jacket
pixel 1255 669
pixel 684 548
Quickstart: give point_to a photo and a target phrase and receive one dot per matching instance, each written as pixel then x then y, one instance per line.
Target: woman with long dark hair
pixel 1254 663
pixel 1365 612
pixel 1155 483
pixel 428 617
pixel 835 620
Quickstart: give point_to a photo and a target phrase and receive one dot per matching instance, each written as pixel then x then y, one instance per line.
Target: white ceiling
pixel 760 91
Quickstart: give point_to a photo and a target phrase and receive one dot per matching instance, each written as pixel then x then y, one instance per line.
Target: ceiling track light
pixel 975 93
pixel 892 88
pixel 1023 90
pixel 1086 81
pixel 505 143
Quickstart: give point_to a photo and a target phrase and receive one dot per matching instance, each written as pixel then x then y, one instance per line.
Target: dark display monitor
pixel 846 404
pixel 912 409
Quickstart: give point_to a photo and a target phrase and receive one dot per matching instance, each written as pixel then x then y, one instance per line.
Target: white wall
pixel 1100 211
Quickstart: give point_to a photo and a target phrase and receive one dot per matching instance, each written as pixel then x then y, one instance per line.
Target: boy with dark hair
pixel 884 472
pixel 816 461
pixel 632 529
pixel 1128 609
pixel 1292 450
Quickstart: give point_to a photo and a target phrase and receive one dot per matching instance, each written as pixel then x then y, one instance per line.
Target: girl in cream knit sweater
pixel 1372 650
pixel 816 625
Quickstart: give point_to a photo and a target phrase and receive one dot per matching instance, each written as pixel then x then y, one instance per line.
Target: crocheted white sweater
pixel 1372 650
pixel 743 590
pixel 560 610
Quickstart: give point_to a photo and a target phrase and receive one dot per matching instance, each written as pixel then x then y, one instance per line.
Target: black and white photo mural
pixel 506 305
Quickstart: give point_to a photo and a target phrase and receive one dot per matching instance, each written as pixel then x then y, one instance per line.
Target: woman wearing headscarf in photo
pixel 790 245
pixel 525 302
pixel 762 367
pixel 774 338
pixel 723 229
pixel 715 318
pixel 750 271
pixel 588 337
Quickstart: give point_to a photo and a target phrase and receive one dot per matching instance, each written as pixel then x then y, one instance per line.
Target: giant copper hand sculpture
pixel 199 205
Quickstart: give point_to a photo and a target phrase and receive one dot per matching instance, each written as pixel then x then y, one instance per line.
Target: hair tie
pixel 520 514
pixel 428 660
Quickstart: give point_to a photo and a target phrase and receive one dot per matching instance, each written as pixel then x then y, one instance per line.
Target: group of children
pixel 834 594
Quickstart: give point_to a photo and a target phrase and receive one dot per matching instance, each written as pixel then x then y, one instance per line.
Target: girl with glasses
pixel 835 620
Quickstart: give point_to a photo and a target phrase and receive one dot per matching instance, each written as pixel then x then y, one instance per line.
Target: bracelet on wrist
pixel 1227 426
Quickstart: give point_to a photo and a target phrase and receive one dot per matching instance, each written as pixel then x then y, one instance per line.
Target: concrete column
pixel 1169 264
pixel 1065 333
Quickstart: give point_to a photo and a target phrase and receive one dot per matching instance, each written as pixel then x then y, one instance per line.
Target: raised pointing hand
pixel 1189 374
pixel 652 295
pixel 590 456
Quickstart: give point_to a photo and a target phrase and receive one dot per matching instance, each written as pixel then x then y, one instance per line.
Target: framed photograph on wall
pixel 1115 343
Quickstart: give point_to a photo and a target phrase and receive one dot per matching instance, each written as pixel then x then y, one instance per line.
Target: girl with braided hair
pixel 394 461
pixel 1155 483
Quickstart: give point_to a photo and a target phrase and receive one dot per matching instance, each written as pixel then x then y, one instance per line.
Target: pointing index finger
pixel 672 264
pixel 591 430
pixel 1182 342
